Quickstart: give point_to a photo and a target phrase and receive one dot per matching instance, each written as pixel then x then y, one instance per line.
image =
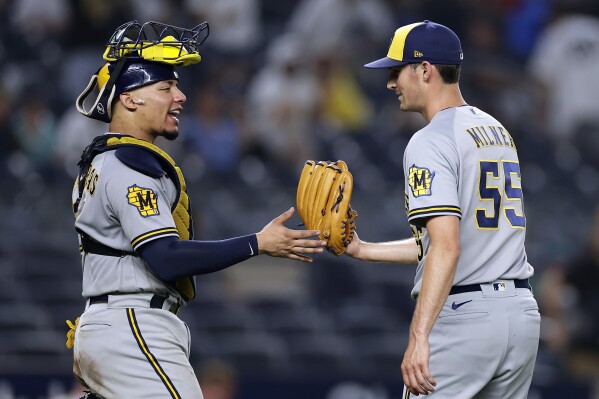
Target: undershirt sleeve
pixel 171 258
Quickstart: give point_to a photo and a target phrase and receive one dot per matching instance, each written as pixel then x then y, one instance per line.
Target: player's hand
pixel 353 249
pixel 414 368
pixel 277 240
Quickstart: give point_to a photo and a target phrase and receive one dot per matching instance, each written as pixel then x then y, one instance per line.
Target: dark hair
pixel 449 73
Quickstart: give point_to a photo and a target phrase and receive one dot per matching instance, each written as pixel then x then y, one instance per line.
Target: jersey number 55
pixel 504 193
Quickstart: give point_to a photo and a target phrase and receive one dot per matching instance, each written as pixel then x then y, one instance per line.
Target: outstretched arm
pixel 171 258
pixel 402 251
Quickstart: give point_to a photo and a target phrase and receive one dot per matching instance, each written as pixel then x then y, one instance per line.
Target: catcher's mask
pixel 139 55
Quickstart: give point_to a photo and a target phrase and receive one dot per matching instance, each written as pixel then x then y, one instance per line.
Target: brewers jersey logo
pixel 420 180
pixel 144 199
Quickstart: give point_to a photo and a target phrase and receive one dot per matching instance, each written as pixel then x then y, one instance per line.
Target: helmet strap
pixel 120 64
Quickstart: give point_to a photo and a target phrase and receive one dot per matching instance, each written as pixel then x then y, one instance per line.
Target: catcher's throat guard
pixel 138 55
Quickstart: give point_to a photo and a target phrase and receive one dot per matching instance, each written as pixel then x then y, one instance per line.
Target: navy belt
pixel 460 289
pixel 156 302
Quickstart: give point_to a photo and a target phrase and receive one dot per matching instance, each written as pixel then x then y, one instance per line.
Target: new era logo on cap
pixel 422 41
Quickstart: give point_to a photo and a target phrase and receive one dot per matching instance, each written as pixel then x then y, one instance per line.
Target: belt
pixel 156 302
pixel 460 289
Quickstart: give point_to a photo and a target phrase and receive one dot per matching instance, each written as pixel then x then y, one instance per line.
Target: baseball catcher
pixel 323 196
pixel 139 254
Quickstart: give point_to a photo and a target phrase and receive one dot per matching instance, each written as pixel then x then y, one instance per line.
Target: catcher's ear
pixel 129 101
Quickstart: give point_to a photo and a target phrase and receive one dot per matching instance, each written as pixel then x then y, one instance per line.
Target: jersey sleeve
pixel 431 169
pixel 142 204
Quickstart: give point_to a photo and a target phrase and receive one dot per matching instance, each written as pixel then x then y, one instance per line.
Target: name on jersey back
pixel 491 136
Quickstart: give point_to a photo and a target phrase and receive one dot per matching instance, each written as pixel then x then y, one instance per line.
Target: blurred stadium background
pixel 279 82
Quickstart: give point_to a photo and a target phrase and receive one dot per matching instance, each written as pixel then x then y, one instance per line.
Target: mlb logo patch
pixel 499 287
pixel 420 180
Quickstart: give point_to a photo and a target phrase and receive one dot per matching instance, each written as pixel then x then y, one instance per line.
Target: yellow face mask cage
pixel 157 42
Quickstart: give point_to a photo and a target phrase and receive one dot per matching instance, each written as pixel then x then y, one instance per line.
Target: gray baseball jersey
pixel 123 209
pixel 125 344
pixel 464 163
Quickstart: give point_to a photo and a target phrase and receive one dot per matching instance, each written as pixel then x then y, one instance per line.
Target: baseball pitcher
pixel 475 329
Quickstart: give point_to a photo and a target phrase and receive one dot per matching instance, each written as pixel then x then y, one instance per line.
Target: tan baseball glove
pixel 323 195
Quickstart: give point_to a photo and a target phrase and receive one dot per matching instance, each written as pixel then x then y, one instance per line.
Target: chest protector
pixel 148 159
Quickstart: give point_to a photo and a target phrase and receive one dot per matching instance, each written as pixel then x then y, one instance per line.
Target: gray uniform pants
pixel 125 349
pixel 485 348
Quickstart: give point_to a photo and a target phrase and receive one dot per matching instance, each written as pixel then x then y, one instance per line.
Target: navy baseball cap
pixel 422 41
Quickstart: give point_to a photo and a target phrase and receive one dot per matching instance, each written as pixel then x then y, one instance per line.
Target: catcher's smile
pixel 174 113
